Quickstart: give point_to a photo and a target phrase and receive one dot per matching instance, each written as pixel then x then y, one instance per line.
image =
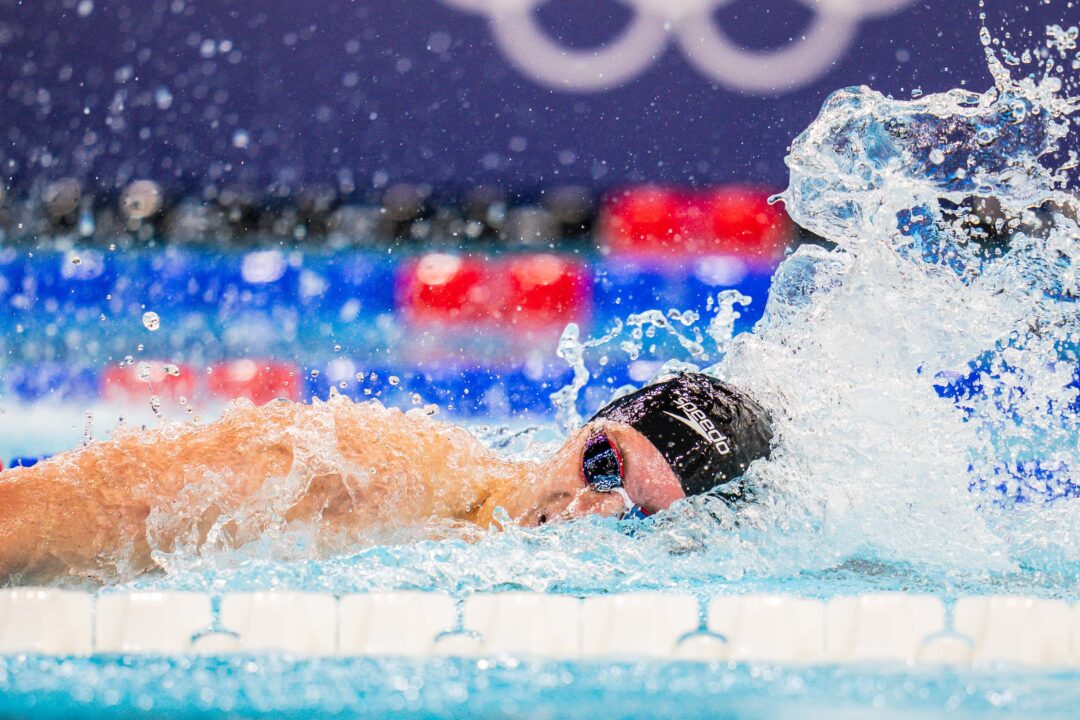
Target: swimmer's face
pixel 561 492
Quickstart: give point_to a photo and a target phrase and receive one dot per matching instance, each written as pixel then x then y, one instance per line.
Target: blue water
pixel 276 686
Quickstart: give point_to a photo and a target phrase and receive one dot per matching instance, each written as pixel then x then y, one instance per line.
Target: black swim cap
pixel 707 430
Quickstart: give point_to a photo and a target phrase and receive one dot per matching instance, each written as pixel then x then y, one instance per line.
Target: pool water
pixel 265 686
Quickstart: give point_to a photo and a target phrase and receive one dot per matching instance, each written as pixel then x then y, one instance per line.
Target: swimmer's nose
pixel 590 502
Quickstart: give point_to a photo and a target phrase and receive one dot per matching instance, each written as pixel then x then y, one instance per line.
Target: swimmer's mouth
pixel 586 504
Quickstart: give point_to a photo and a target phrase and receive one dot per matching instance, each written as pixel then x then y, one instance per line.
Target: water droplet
pixel 86 223
pixel 76 260
pixel 314 373
pixel 416 399
pixel 986 136
pixel 936 156
pixel 155 404
pixel 163 98
pixel 151 321
pixel 431 409
pixel 142 371
pixel 172 370
pixel 394 380
pixel 88 428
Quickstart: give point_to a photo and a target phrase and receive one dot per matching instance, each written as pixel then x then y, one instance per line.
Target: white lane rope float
pixel 531 49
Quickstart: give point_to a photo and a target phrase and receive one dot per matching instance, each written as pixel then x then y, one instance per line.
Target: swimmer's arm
pixel 85 510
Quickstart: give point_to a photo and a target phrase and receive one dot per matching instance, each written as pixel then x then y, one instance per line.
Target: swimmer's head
pixel 708 431
pixel 690 435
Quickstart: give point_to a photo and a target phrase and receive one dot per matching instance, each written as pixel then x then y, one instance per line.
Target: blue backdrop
pixel 361 94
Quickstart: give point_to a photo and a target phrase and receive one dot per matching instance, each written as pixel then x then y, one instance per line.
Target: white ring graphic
pixel 708 48
pixel 530 48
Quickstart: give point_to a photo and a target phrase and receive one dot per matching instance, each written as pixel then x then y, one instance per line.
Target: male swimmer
pixel 347 467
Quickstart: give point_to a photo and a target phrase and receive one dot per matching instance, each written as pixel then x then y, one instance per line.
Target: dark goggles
pixel 602 467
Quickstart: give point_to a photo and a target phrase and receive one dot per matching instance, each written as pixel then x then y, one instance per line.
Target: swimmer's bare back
pixel 341 467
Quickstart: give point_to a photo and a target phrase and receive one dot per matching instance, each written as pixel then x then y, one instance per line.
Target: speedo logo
pixel 700 423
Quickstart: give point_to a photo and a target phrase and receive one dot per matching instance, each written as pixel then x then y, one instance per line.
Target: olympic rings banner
pixel 690 24
pixel 281 95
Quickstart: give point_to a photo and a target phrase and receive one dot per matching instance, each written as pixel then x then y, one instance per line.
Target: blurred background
pixel 403 199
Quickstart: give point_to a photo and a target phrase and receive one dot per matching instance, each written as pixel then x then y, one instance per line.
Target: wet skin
pixel 351 472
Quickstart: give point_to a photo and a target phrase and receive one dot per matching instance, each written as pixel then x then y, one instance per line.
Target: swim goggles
pixel 602 466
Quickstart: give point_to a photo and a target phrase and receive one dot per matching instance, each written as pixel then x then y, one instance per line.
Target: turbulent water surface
pixel 920 367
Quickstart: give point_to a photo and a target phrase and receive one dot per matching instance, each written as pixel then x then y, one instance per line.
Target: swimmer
pixel 359 468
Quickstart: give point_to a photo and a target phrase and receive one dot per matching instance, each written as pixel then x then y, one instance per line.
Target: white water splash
pixel 921 291
pixel 955 264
